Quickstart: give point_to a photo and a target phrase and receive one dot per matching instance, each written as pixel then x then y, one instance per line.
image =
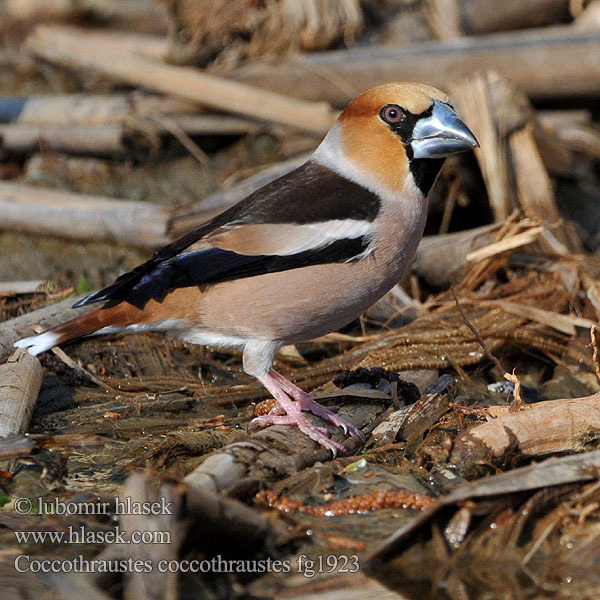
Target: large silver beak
pixel 441 134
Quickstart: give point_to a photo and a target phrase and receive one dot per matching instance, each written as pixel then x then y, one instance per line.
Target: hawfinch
pixel 300 257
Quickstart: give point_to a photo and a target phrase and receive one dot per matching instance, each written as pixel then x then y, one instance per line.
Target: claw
pixel 283 391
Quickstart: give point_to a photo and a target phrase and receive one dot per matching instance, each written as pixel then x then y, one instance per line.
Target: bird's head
pixel 398 134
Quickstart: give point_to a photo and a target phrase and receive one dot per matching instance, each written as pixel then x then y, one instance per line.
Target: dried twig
pixel 67 360
pixel 478 337
pixel 517 398
pixel 596 347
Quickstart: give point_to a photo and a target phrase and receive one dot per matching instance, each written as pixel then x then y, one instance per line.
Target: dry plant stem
pixel 508 243
pixel 534 187
pixel 20 382
pixel 15 288
pixel 104 140
pixel 596 347
pixel 141 15
pixel 450 203
pixel 72 48
pixel 548 62
pixel 518 403
pixel 92 110
pixel 443 16
pixel 544 428
pixel 474 99
pixel 116 139
pixel 482 16
pixel 67 360
pixel 184 139
pixel 501 370
pixel 517 399
pixel 81 216
pixel 564 323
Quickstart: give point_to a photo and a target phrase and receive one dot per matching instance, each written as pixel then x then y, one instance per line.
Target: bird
pixel 300 257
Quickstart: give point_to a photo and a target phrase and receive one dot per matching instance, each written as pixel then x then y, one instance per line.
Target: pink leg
pixel 272 382
pixel 305 402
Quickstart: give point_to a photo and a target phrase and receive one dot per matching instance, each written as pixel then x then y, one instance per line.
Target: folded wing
pixel 285 225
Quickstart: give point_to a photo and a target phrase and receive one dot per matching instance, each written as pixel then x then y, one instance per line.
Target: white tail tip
pixel 38 343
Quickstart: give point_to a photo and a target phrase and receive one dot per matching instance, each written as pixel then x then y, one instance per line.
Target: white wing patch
pixel 288 239
pixel 317 235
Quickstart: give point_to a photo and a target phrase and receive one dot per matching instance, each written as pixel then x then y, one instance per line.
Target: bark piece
pixel 564 425
pixel 20 382
pixel 427 410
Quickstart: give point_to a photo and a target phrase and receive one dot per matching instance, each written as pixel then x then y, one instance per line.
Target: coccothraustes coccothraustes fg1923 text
pixel 300 257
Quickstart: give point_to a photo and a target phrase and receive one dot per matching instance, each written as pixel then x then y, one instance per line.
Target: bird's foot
pixel 317 434
pixel 283 391
pixel 306 403
pixel 263 421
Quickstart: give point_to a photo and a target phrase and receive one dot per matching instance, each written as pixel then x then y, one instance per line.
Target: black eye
pixel 392 114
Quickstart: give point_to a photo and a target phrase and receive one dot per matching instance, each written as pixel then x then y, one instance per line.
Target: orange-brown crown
pixel 369 143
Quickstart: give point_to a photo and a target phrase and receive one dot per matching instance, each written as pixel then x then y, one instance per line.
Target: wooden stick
pixel 81 216
pixel 543 428
pixel 478 99
pixel 88 109
pixel 440 259
pixel 167 523
pixel 543 63
pixel 482 16
pixel 534 187
pixel 14 288
pixel 141 15
pixel 20 382
pixel 501 370
pixel 65 109
pixel 73 48
pixel 117 139
pixel 105 140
